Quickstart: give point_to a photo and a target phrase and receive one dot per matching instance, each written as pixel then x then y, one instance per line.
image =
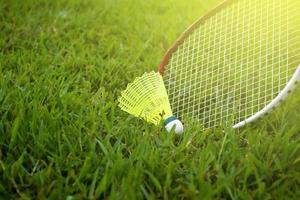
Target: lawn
pixel 63 65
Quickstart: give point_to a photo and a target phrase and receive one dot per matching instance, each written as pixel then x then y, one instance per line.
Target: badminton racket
pixel 236 63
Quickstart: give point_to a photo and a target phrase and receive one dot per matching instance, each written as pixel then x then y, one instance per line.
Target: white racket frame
pixel 290 86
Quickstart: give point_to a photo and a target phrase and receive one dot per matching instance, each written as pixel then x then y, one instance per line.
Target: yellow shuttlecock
pixel 146 97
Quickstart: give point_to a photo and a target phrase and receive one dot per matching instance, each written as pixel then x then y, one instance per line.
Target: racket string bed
pixel 235 62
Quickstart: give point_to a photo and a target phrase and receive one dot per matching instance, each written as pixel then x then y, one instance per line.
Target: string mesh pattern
pixel 235 62
pixel 146 97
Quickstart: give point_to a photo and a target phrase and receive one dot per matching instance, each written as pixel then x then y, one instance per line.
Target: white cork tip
pixel 178 126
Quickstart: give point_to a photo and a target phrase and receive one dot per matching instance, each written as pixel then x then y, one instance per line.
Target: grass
pixel 62 136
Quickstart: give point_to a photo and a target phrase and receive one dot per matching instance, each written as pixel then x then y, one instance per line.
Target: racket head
pixel 233 61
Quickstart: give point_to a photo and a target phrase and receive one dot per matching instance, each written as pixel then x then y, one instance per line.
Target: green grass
pixel 62 136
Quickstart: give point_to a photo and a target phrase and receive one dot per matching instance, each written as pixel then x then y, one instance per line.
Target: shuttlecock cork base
pixel 146 97
pixel 173 123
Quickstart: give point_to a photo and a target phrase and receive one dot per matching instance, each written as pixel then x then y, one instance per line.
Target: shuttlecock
pixel 146 97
